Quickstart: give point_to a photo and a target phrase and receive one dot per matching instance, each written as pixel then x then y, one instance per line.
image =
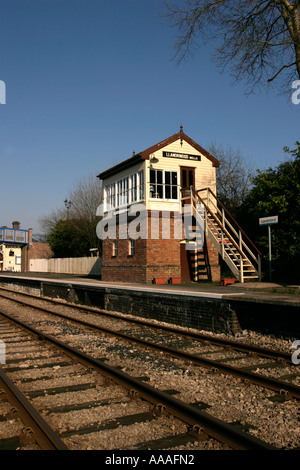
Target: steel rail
pixel 46 438
pixel 215 428
pixel 276 385
pixel 236 345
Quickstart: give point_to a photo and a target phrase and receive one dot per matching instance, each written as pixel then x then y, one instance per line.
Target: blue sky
pixel 89 81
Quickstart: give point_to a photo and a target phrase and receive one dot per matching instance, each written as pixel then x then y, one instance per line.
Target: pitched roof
pixel 144 155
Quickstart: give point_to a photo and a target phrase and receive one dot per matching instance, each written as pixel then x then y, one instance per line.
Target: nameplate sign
pixel 182 156
pixel 268 220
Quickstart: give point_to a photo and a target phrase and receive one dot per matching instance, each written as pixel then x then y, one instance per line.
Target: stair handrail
pixel 234 230
pixel 256 258
pixel 238 255
pixel 228 213
pixel 218 222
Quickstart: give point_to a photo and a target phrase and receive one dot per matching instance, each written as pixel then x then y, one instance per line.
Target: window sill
pixel 162 200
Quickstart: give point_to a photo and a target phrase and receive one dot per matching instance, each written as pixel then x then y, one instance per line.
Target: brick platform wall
pixel 217 315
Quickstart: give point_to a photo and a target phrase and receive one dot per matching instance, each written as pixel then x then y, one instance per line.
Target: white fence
pixel 82 266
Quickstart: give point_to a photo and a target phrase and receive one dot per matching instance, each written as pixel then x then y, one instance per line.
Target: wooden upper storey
pixel 156 175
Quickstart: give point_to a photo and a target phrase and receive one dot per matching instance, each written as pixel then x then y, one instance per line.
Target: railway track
pixel 138 398
pixel 188 422
pixel 280 360
pixel 34 428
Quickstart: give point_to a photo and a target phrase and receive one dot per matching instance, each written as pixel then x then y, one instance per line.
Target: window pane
pixel 115 248
pixel 20 237
pixel 9 235
pixel 112 195
pixel 160 191
pixel 152 176
pixel 131 247
pixel 141 177
pixel 163 184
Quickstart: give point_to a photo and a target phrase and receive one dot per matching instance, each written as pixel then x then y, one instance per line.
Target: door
pixel 185 263
pixel 187 179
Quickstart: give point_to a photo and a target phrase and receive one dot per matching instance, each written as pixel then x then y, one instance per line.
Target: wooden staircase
pixel 233 245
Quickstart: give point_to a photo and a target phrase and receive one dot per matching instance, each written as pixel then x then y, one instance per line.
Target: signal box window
pixel 163 184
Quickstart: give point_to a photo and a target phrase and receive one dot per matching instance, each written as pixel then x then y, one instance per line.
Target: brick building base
pixel 156 257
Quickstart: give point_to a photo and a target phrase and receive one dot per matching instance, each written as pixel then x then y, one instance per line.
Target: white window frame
pixel 163 184
pixel 115 248
pixel 125 191
pixel 131 247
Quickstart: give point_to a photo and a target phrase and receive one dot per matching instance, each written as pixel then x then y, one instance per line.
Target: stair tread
pixel 229 243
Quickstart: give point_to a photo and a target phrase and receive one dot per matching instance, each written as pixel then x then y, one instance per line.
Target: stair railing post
pixel 241 269
pixel 240 240
pixel 222 234
pixel 242 266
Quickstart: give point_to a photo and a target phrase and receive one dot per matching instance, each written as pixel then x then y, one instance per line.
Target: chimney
pixel 16 224
pixel 30 236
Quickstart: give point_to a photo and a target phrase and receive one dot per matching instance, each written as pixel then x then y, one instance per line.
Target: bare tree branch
pixel 257 39
pixel 85 197
pixel 280 70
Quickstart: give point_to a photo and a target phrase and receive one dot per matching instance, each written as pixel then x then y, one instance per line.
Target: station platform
pixel 255 291
pixel 260 306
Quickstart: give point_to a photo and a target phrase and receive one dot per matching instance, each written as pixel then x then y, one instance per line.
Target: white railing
pixel 232 243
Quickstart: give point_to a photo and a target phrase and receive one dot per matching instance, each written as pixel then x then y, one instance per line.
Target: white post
pixel 270 254
pixel 241 269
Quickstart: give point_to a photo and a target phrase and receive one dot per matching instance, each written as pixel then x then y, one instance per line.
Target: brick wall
pixel 124 267
pixel 157 256
pixel 163 248
pixel 213 257
pixel 280 319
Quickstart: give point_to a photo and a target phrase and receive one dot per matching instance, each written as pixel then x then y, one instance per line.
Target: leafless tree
pixel 258 39
pixel 85 197
pixel 233 176
pixel 48 222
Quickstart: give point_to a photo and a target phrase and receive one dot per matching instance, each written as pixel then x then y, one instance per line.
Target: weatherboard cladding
pixel 145 154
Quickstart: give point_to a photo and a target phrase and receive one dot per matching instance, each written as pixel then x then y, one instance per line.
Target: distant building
pixel 18 247
pixel 14 244
pixel 39 248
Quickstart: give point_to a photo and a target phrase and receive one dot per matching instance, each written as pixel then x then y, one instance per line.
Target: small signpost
pixel 269 221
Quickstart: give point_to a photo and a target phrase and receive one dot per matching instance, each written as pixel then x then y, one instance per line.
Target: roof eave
pixel 179 136
pixel 145 154
pixel 120 166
